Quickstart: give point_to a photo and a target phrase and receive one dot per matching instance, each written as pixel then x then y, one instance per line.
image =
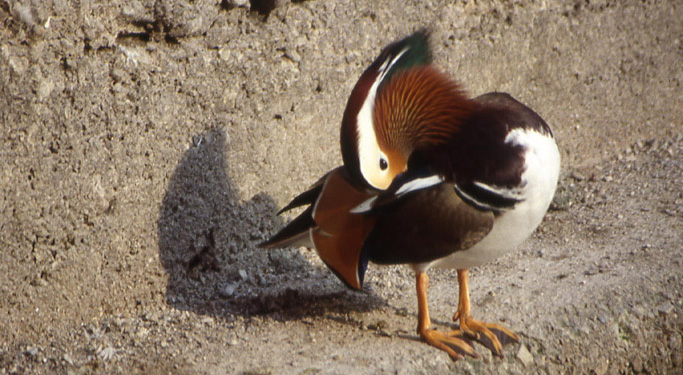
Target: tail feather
pixel 328 226
pixel 296 233
pixel 307 197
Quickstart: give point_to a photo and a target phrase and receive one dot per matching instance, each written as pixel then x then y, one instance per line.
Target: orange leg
pixel 491 331
pixel 449 342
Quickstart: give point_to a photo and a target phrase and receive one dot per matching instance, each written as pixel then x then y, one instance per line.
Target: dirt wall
pixel 145 146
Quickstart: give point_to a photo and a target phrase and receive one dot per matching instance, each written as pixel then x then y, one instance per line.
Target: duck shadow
pixel 207 246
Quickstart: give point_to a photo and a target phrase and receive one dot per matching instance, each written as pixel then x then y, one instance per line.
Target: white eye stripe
pixel 368 147
pixel 384 69
pixel 383 66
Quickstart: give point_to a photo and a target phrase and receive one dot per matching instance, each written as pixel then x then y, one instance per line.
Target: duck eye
pixel 383 164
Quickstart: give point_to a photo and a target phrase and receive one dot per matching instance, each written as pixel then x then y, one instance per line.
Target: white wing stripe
pixel 516 194
pixel 412 185
pixel 419 183
pixel 364 207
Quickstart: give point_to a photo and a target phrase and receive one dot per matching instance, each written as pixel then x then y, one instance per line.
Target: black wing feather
pixel 431 224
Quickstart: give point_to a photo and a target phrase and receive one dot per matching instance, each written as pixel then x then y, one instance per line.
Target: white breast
pixel 539 180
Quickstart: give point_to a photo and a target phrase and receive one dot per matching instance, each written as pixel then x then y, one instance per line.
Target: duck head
pixel 400 103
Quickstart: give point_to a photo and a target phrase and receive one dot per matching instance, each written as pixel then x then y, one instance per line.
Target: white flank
pixel 539 180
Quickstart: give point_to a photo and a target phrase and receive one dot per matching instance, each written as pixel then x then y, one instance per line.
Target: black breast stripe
pixel 488 199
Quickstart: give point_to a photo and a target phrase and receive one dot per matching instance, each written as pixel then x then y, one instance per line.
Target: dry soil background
pixel 146 144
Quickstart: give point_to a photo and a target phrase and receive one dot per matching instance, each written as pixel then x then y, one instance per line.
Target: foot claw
pixel 492 336
pixel 453 343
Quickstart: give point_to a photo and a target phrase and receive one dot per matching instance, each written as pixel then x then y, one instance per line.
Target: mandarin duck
pixel 430 178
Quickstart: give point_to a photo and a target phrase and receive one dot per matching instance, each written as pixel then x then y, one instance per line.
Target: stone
pixel 525 356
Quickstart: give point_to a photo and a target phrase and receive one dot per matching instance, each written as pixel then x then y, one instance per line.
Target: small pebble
pixel 243 275
pixel 665 309
pixel 227 291
pixel 118 75
pixel 525 356
pixel 578 176
pixel 67 358
pixel 238 3
pixel 32 351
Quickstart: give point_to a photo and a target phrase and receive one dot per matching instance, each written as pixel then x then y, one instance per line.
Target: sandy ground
pixel 145 146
